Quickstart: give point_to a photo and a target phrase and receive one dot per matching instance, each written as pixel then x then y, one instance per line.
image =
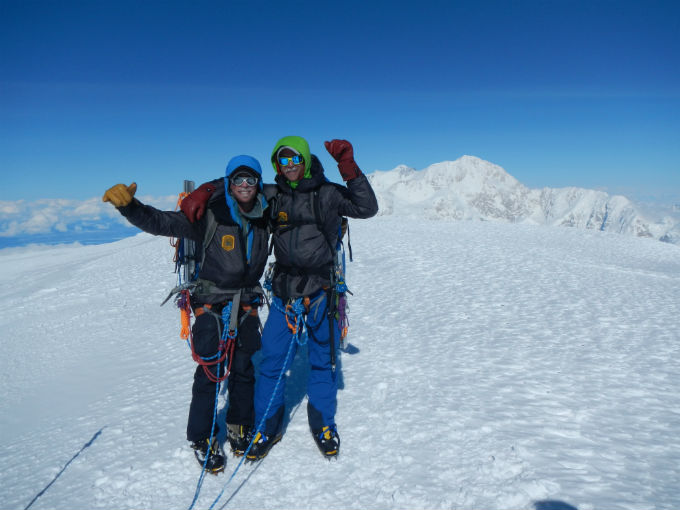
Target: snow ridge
pixel 470 188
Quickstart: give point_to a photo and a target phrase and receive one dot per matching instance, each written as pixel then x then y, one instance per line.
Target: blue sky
pixel 559 93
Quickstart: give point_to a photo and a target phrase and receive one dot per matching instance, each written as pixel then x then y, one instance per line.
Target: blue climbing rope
pixel 226 316
pixel 86 445
pixel 299 338
pixel 226 336
pixel 212 432
pixel 299 324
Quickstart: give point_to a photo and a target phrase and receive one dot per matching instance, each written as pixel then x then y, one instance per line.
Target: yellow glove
pixel 120 195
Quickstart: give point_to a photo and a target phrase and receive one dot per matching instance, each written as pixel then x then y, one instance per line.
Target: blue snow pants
pixel 322 385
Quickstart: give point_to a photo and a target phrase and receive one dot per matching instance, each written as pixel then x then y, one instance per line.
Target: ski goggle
pixel 285 161
pixel 240 179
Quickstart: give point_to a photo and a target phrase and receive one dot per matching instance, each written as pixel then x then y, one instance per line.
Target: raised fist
pixel 343 152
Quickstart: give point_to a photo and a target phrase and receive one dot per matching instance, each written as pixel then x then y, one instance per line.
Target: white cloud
pixel 10 207
pixel 92 207
pixel 46 216
pixel 10 229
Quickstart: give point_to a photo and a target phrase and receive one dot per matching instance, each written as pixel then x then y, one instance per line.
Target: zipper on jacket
pixel 296 233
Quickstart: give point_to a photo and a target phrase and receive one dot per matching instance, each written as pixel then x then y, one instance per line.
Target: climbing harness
pixel 227 326
pixel 295 319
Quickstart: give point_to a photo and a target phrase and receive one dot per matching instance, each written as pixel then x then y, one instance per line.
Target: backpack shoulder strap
pixel 210 228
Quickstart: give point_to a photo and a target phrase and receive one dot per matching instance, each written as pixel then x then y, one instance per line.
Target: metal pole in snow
pixel 189 246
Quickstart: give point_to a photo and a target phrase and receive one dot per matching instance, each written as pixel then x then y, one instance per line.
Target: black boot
pixel 328 441
pixel 261 446
pixel 216 462
pixel 239 437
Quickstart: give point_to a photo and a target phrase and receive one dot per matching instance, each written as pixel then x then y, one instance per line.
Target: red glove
pixel 193 205
pixel 343 153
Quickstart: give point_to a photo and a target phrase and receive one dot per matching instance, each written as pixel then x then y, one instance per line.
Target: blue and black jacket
pixel 235 255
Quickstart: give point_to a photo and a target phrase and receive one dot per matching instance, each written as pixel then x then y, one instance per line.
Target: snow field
pixel 490 366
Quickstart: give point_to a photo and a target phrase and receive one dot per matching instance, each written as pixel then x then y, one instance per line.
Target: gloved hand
pixel 120 195
pixel 343 153
pixel 193 205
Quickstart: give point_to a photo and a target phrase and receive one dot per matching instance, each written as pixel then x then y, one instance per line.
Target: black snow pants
pixel 241 380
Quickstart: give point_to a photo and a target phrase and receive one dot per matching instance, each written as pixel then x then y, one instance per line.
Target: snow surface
pixel 491 365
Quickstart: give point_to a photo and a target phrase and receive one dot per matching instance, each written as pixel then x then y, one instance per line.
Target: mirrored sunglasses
pixel 240 179
pixel 285 161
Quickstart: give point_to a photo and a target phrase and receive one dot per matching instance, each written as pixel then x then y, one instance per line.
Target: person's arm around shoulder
pixel 193 206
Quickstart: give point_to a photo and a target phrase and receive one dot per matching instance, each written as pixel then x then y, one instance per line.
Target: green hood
pixel 299 144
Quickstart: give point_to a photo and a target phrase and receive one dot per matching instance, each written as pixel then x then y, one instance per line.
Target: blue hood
pixel 250 164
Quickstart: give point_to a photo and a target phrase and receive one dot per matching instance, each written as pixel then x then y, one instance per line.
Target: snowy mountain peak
pixel 474 189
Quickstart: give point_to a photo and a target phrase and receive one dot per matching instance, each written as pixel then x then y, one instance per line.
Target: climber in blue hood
pixel 232 236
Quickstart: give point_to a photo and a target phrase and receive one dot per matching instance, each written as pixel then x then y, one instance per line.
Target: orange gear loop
pixel 293 326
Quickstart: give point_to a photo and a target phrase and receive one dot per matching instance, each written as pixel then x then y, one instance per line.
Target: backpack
pixel 338 282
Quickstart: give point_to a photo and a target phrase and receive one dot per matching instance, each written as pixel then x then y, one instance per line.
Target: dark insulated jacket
pixel 225 263
pixel 304 247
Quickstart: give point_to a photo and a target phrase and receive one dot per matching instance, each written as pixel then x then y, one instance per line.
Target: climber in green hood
pixel 306 214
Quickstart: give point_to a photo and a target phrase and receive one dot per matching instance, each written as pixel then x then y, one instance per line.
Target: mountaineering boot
pixel 328 441
pixel 215 463
pixel 261 446
pixel 239 437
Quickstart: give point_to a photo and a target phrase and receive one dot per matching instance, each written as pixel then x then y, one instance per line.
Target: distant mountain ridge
pixel 470 188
